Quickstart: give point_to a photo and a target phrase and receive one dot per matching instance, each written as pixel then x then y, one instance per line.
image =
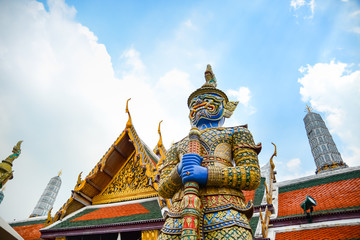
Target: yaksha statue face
pixel 208 105
pixel 207 110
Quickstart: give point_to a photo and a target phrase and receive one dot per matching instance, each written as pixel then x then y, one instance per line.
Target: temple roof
pixel 102 218
pixel 125 212
pixel 329 233
pixel 29 228
pixel 332 193
pixel 125 172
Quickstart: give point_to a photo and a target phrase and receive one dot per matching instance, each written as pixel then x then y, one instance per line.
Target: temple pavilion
pixel 118 199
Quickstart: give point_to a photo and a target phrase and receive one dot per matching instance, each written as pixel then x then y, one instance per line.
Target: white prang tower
pixel 48 197
pixel 323 148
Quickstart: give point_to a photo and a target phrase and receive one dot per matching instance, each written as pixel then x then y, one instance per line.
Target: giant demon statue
pixel 204 173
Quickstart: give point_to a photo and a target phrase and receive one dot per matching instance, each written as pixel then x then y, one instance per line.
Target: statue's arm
pixel 170 180
pixel 246 174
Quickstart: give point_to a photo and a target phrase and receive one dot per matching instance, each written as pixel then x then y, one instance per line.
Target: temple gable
pixel 129 183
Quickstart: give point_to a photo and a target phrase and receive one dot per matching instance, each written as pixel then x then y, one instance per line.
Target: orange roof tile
pixel 333 195
pixel 333 233
pixel 29 232
pixel 249 195
pixel 116 211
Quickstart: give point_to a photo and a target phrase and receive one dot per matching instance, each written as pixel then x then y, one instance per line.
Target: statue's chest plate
pixel 215 142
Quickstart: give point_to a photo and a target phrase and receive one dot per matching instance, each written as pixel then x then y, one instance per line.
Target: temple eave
pixel 100 229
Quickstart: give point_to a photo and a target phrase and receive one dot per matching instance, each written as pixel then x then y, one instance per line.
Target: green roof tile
pixel 27 223
pixel 253 223
pixel 259 192
pixel 151 206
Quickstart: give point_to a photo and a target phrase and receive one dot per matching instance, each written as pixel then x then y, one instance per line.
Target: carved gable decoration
pixel 128 184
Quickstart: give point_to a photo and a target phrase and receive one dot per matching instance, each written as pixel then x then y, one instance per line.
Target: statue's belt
pixel 208 191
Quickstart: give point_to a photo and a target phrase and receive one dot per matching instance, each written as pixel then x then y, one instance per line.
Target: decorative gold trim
pixel 118 189
pixel 129 123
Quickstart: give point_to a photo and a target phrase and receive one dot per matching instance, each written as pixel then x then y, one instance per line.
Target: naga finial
pixel 128 124
pixel 160 138
pixel 274 155
pixel 49 219
pixel 78 180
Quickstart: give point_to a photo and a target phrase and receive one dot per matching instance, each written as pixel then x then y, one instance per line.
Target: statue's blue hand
pixel 195 173
pixel 187 160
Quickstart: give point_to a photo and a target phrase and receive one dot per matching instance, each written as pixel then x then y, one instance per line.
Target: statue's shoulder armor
pixel 244 138
pixel 242 129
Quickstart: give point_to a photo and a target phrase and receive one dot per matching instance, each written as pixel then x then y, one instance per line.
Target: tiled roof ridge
pixel 39 218
pixel 27 222
pixel 311 182
pixel 324 215
pixel 150 153
pixel 95 207
pixel 318 176
pixel 332 211
pixel 330 232
pixel 106 225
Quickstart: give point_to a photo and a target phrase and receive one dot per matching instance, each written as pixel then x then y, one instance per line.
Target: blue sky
pixel 67 68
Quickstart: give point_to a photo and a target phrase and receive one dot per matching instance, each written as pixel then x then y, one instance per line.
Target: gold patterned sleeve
pixel 246 174
pixel 170 180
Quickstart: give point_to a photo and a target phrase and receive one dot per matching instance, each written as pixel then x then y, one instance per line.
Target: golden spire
pixel 60 173
pixel 308 108
pixel 209 77
pixel 128 124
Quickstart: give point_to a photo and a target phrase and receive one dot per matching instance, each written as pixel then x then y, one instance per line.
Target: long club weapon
pixel 191 203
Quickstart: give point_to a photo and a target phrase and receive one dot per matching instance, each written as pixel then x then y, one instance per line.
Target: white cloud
pixel 333 88
pixel 293 164
pixel 354 19
pixel 242 95
pixel 292 169
pixel 57 87
pixel 297 3
pixel 356 30
pixel 306 8
pixel 59 94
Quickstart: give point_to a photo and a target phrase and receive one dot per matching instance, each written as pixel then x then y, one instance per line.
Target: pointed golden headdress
pixel 210 87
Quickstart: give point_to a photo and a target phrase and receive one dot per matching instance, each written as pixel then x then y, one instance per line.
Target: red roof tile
pixel 333 195
pixel 249 195
pixel 333 233
pixel 29 232
pixel 116 211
